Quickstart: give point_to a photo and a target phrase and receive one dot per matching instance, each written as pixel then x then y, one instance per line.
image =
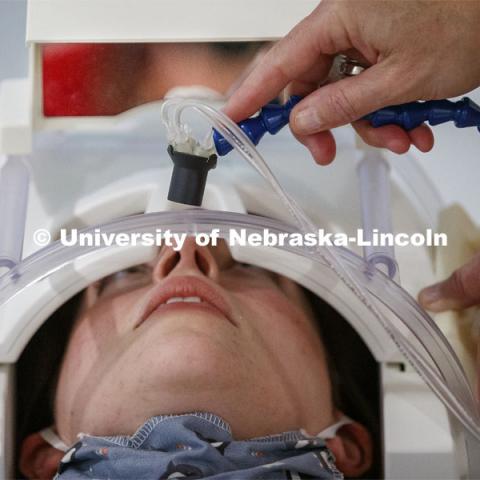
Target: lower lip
pixel 185 306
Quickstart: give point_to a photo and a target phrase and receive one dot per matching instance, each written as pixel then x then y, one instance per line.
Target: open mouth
pixel 186 292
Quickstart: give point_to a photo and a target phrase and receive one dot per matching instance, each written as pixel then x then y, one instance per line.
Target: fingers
pixel 310 79
pixel 299 52
pixel 394 138
pixel 323 149
pixel 347 100
pixel 422 138
pixel 461 290
pixel 321 145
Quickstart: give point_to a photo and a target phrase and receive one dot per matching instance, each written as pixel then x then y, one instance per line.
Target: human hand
pixel 461 290
pixel 421 49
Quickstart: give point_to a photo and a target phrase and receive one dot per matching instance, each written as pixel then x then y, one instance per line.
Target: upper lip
pixel 186 286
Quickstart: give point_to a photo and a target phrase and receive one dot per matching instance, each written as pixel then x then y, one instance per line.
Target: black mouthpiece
pixel 189 176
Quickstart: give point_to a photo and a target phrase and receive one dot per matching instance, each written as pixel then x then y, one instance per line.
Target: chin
pixel 193 360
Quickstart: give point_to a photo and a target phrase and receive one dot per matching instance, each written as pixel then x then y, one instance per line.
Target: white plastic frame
pixel 132 21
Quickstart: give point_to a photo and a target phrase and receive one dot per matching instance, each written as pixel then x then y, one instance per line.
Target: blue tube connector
pixel 464 113
pixel 272 118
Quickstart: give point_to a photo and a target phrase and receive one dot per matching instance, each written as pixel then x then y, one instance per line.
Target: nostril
pixel 170 263
pixel 202 263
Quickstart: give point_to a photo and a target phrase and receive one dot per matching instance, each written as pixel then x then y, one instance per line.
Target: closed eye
pixel 245 265
pixel 130 277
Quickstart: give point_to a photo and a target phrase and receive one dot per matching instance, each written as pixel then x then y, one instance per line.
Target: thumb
pixel 460 290
pixel 347 100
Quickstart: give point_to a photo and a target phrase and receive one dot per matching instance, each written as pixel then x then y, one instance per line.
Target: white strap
pixel 331 431
pixel 51 437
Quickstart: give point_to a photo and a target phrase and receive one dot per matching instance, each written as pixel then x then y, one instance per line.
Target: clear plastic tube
pixel 50 260
pixel 374 181
pixel 14 183
pixel 438 364
pixel 230 130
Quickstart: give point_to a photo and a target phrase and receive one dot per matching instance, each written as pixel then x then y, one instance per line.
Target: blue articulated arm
pixel 463 113
pixel 273 117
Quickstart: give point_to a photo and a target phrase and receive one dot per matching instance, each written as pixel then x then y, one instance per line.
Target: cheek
pixel 275 318
pixel 82 355
pixel 287 348
pixel 98 333
pixel 280 322
pixel 269 305
pixel 109 318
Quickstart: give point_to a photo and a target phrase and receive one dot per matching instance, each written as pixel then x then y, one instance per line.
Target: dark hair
pixel 354 373
pixel 37 372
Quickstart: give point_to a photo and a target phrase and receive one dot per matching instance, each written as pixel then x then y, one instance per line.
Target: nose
pixel 190 260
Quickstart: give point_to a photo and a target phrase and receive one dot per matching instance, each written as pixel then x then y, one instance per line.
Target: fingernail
pixel 430 294
pixel 432 299
pixel 397 146
pixel 307 121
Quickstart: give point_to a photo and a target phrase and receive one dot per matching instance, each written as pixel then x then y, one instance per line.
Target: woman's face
pixel 194 331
